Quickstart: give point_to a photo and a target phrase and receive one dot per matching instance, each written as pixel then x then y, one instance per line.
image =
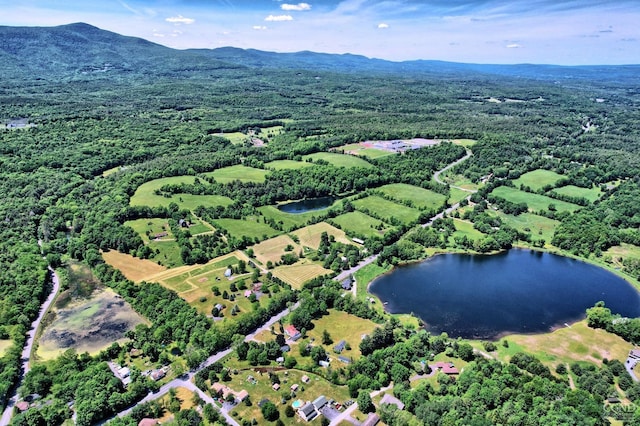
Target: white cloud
pixel 297 7
pixel 158 35
pixel 259 27
pixel 276 18
pixel 180 20
pixel 383 25
pixel 513 46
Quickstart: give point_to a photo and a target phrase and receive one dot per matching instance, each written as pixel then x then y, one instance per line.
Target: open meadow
pixel 339 160
pixel 364 150
pixel 289 221
pixel 298 274
pixel 238 172
pixel 537 226
pixel 249 227
pixel 272 249
pixel 133 268
pixel 465 228
pixel 535 202
pixel 538 179
pixel 591 194
pixel 419 197
pixel 309 236
pixel 145 195
pixel 386 209
pixel 361 224
pixel 287 165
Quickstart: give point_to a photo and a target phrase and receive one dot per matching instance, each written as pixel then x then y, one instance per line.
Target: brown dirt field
pixel 133 268
pixel 298 274
pixel 310 235
pixel 273 248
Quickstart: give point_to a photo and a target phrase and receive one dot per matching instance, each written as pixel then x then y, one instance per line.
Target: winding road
pixel 26 352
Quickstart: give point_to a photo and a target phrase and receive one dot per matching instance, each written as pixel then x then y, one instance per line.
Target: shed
pixel 340 346
pixel 308 412
pixel 320 402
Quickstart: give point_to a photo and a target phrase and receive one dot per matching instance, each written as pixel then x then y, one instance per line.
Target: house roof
pixel 390 399
pixel 242 395
pixel 320 402
pixel 344 359
pixel 147 422
pixel 372 420
pixel 308 411
pixel 445 367
pixel 305 378
pixel 340 346
pixel 291 330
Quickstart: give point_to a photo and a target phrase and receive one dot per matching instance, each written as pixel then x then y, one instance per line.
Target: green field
pixel 168 253
pixel 339 160
pixel 536 202
pixel 538 226
pixel 250 228
pixel 359 149
pixel 287 165
pixel 420 197
pixel 341 326
pixel 387 209
pixel 147 228
pixel 537 179
pixel 236 138
pixel 360 223
pixel 291 221
pixel 464 228
pixel 238 172
pixel 591 194
pixel 144 195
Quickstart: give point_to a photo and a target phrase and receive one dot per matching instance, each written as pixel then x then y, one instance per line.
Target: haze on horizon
pixel 563 32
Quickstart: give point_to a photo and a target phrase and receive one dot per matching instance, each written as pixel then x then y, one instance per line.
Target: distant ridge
pixel 79 49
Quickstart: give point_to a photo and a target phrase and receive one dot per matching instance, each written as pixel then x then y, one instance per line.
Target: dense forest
pixel 151 118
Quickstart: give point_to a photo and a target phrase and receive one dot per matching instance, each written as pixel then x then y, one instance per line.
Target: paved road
pixel 26 352
pixel 436 175
pixel 345 274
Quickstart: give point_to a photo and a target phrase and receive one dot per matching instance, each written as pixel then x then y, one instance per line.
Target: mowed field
pixel 132 268
pixel 287 165
pixel 287 220
pixel 538 179
pixel 361 149
pixel 310 235
pixel 420 197
pixel 591 194
pixel 387 209
pixel 465 228
pixel 298 274
pixel 342 326
pixel 144 195
pixel 535 202
pixel 538 226
pixel 246 228
pixel 360 223
pixel 273 248
pixel 339 160
pixel 238 172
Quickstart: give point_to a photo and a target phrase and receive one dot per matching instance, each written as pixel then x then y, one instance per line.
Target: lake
pixel 484 296
pixel 307 205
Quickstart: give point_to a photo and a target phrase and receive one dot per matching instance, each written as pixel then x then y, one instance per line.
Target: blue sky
pixel 568 32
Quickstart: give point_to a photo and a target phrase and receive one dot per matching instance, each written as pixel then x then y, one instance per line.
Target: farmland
pixel 303 271
pixel 133 268
pixel 535 202
pixel 591 194
pixel 360 224
pixel 288 221
pixel 339 160
pixel 145 195
pixel 310 235
pixel 250 228
pixel 287 165
pixel 272 249
pixel 538 226
pixel 238 172
pixel 419 197
pixel 538 179
pixel 363 150
pixel 388 210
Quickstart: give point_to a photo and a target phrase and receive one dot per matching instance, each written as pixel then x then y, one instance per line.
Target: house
pixel 276 386
pixel 320 402
pixel 247 293
pixel 390 399
pixel 346 284
pixel 280 360
pixel 148 422
pixel 242 395
pixel 22 405
pixel 124 372
pixel 344 359
pixel 305 379
pixel 308 412
pixel 160 235
pixel 292 332
pixel 340 346
pixel 158 374
pixel 372 420
pixel 445 367
pixel 285 348
pixel 323 363
pixel 294 387
pixel 219 307
pixel 228 272
pixel 357 240
pixel 634 353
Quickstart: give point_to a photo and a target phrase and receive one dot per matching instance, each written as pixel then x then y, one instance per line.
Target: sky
pixel 564 32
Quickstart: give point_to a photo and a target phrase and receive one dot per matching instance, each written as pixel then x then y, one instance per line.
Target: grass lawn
pixel 144 195
pixel 360 223
pixel 339 160
pixel 4 346
pixel 621 252
pixel 591 194
pixel 535 202
pixel 235 138
pixel 147 228
pixel 387 209
pixel 537 179
pixel 467 143
pixel 168 253
pixel 568 344
pixel 420 197
pixel 341 326
pixel 365 275
pixel 249 227
pixel 133 268
pixel 360 149
pixel 310 235
pixel 184 395
pixel 238 172
pixel 273 248
pixel 298 274
pixel 289 221
pixel 287 165
pixel 463 228
pixel 538 226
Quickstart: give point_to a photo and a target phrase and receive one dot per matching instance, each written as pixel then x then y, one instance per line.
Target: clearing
pixel 273 248
pixel 310 235
pixel 287 165
pixel 361 224
pixel 591 194
pixel 249 227
pixel 133 268
pixel 535 202
pixel 238 172
pixel 385 209
pixel 339 160
pixel 419 197
pixel 145 195
pixel 538 179
pixel 298 274
pixel 537 226
pixel 341 326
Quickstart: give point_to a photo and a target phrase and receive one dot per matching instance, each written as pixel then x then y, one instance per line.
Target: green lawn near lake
pixel 341 326
pixel 537 179
pixel 535 202
pixel 591 194
pixel 251 228
pixel 287 165
pixel 291 221
pixel 238 172
pixel 361 224
pixel 465 228
pixel 420 197
pixel 537 226
pixel 365 275
pixel 339 160
pixel 387 209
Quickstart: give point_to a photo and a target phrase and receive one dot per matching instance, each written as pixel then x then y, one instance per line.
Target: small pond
pixel 521 291
pixel 307 205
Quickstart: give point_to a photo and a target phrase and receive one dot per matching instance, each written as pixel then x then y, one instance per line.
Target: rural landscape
pixel 227 236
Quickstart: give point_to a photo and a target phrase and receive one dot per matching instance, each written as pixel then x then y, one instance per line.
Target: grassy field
pixel 133 268
pixel 316 387
pixel 623 251
pixel 288 220
pixel 420 197
pixel 144 195
pixel 4 346
pixel 88 325
pixel 387 209
pixel 361 223
pixel 568 344
pixel 535 202
pixel 467 143
pixel 166 253
pixel 236 138
pixel 591 194
pixel 287 165
pixel 463 228
pixel 147 228
pixel 250 228
pixel 238 172
pixel 359 149
pixel 339 160
pixel 341 326
pixel 365 275
pixel 538 226
pixel 310 235
pixel 537 179
pixel 273 248
pixel 298 274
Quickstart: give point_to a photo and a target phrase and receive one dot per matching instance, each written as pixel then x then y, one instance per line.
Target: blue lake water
pixel 308 205
pixel 522 291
